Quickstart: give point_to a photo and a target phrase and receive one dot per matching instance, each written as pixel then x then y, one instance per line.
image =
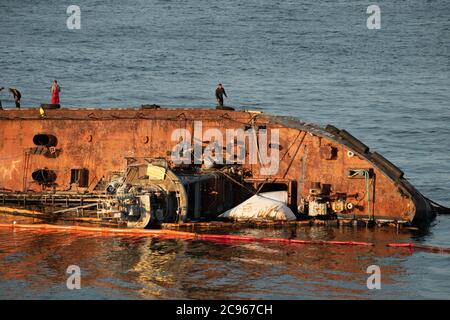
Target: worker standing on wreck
pixel 1 98
pixel 17 95
pixel 55 89
pixel 220 92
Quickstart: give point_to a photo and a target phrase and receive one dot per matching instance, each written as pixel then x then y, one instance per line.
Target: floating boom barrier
pixel 172 234
pixel 421 247
pixel 220 238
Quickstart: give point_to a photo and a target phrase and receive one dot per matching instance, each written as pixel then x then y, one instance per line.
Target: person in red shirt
pixel 55 89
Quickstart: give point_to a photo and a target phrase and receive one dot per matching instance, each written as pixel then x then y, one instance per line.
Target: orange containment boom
pixel 171 234
pixel 220 238
pixel 421 247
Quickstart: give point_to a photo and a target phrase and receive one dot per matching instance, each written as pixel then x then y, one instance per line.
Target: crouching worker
pixel 17 95
pixel 1 88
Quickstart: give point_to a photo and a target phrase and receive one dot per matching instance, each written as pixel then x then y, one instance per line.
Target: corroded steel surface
pixel 101 140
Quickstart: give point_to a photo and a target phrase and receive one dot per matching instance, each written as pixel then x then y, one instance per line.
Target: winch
pixel 152 193
pixel 322 202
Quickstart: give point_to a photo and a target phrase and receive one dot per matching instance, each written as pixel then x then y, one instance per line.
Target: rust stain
pixel 104 141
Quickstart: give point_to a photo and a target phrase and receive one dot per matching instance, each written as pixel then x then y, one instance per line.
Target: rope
pixel 367 183
pixel 238 183
pixel 438 208
pixel 290 164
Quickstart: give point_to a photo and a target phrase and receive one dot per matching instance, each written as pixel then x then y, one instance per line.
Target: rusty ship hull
pixel 116 164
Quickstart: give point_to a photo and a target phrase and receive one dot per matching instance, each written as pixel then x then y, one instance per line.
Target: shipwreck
pixel 148 166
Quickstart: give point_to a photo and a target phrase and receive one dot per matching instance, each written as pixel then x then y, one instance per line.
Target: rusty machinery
pixel 147 194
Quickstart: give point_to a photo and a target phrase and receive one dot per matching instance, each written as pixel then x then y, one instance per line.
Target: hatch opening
pixel 44 176
pixel 79 177
pixel 46 140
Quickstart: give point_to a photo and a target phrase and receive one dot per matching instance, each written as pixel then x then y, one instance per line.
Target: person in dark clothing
pixel 17 96
pixel 0 98
pixel 220 92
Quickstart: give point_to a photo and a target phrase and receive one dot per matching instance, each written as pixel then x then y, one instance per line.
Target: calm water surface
pixel 314 60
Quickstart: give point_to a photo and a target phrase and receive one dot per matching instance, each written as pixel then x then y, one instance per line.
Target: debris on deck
pixel 263 206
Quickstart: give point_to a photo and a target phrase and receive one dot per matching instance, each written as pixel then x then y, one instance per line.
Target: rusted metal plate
pixel 101 140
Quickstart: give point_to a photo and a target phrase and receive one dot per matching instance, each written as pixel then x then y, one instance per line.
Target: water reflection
pixel 33 265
